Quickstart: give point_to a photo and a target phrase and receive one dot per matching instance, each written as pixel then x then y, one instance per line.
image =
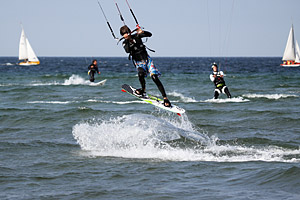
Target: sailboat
pixel 26 52
pixel 291 56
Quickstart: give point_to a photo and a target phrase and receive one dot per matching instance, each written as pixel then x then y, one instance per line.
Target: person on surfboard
pixel 93 68
pixel 217 78
pixel 133 45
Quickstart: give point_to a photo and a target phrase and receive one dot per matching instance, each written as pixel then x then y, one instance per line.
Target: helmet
pixel 214 65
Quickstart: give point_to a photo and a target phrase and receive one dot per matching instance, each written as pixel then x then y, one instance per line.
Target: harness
pixel 220 85
pixel 138 48
pixel 219 81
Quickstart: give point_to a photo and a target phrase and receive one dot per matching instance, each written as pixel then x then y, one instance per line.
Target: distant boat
pixel 291 56
pixel 26 52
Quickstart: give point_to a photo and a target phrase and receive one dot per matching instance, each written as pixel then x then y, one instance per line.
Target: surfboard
pixel 99 83
pixel 152 100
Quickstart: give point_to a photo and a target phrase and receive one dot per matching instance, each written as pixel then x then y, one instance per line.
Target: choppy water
pixel 64 138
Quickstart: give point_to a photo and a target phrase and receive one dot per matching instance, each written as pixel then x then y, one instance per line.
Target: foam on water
pixel 44 84
pixel 9 64
pixel 76 80
pixel 50 102
pixel 7 85
pixel 182 97
pixel 115 102
pixel 227 100
pixel 269 96
pixel 147 137
pixel 72 80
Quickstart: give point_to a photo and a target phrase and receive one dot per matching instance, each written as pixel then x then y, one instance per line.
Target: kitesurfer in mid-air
pixel 217 78
pixel 133 45
pixel 93 68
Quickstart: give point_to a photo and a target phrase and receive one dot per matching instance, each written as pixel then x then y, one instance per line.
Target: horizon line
pixel 155 56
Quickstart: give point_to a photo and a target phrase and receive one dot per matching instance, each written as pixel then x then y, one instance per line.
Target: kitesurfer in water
pixel 93 68
pixel 217 78
pixel 133 45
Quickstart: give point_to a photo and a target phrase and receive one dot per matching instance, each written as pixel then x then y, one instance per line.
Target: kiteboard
pixel 152 100
pixel 99 83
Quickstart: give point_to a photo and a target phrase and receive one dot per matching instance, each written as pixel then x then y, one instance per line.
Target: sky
pixel 185 28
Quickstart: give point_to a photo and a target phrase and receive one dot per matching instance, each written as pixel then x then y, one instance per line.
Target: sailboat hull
pixel 291 65
pixel 29 63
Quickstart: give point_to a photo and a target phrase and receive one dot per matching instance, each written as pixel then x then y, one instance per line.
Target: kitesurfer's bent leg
pixel 226 90
pixel 161 89
pixel 217 93
pixel 159 85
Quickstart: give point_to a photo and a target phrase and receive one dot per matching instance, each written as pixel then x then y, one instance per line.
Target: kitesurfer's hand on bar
pixel 139 31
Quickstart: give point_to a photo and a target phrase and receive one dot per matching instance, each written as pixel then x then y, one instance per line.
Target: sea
pixel 62 137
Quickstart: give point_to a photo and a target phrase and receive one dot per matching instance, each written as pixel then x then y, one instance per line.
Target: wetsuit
pixel 220 84
pixel 143 62
pixel 92 70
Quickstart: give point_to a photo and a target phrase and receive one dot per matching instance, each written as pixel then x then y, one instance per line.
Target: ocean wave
pixel 147 137
pixel 269 96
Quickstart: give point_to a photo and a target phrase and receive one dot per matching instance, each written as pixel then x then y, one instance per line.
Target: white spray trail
pixel 148 137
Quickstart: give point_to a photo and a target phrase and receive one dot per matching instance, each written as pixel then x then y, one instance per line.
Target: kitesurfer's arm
pixel 97 70
pixel 212 77
pixel 221 74
pixel 142 33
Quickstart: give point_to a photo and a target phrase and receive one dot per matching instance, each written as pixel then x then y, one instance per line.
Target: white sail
pixel 23 47
pixel 297 60
pixel 289 52
pixel 30 52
